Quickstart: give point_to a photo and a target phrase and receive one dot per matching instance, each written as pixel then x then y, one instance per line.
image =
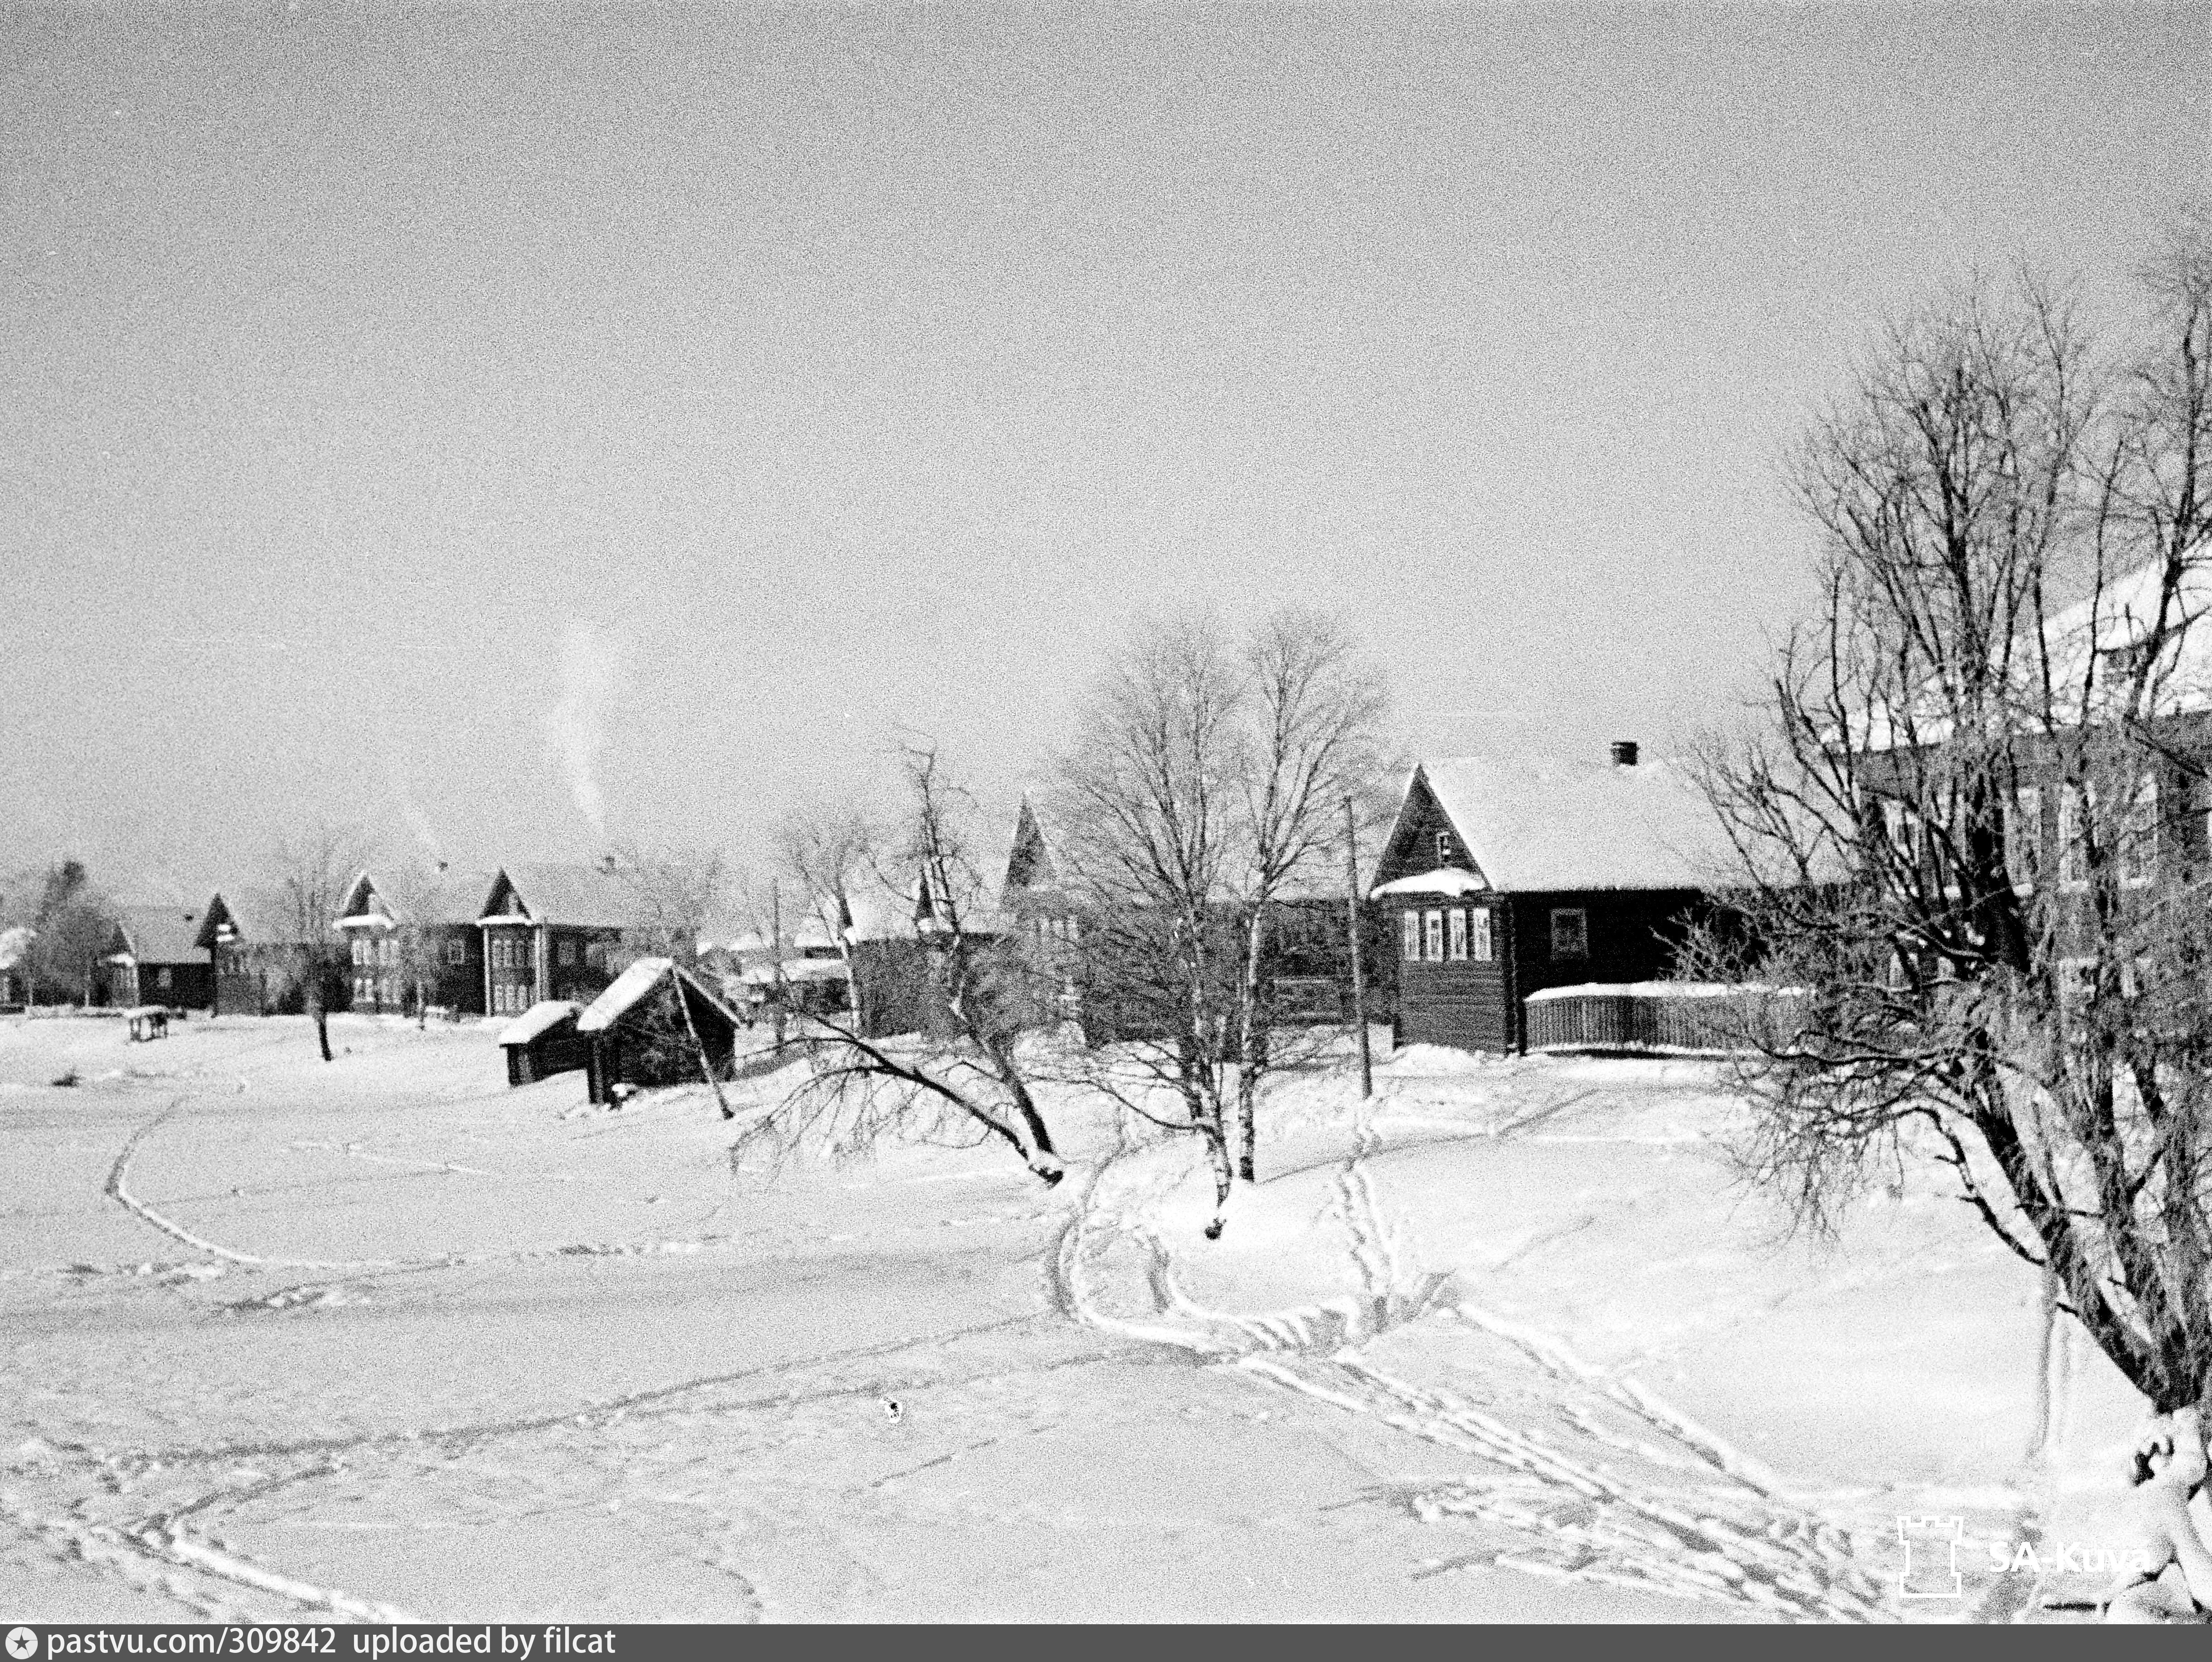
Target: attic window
pixel 1447 848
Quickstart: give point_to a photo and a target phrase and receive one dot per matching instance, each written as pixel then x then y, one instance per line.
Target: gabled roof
pixel 158 934
pixel 541 1017
pixel 1533 826
pixel 258 914
pixel 635 983
pixel 423 898
pixel 583 897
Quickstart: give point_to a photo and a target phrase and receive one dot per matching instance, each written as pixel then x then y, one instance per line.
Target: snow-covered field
pixel 384 1338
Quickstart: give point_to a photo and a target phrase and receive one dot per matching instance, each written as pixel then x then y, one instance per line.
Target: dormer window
pixel 1447 848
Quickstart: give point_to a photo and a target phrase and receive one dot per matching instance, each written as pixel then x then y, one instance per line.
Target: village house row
pixel 1497 882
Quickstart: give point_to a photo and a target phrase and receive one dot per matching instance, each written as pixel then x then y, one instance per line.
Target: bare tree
pixel 1205 790
pixel 1315 708
pixel 1149 796
pixel 420 896
pixel 675 893
pixel 962 1069
pixel 1972 836
pixel 824 852
pixel 311 872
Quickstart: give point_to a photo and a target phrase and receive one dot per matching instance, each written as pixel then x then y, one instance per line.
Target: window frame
pixel 1580 952
pixel 1409 935
pixel 1432 935
pixel 1482 938
pixel 1455 935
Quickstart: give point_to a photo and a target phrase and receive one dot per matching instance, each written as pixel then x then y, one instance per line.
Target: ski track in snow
pixel 1708 1523
pixel 1724 1531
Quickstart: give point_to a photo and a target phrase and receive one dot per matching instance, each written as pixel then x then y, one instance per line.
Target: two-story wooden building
pixel 550 931
pixel 254 950
pixel 414 938
pixel 1505 877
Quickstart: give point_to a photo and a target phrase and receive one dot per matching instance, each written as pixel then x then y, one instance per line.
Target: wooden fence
pixel 1664 1017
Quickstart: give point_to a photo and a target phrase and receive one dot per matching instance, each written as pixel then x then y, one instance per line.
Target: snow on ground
pixel 382 1338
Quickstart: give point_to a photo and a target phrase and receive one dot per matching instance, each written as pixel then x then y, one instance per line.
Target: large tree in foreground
pixel 1973 833
pixel 1207 784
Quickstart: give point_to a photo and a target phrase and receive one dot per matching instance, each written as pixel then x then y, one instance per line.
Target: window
pixel 162 978
pixel 2023 837
pixel 457 951
pixel 2073 861
pixel 1481 950
pixel 1432 936
pixel 1458 925
pixel 1409 937
pixel 567 951
pixel 2139 836
pixel 1447 848
pixel 388 950
pixel 360 950
pixel 1570 932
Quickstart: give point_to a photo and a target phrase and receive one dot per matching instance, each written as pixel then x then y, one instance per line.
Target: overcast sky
pixel 478 421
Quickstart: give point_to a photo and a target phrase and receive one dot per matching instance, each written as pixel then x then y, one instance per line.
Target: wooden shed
pixel 659 1024
pixel 1506 877
pixel 543 1041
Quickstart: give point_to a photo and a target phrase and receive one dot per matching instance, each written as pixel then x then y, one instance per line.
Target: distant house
pixel 430 918
pixel 1505 877
pixel 255 952
pixel 154 958
pixel 1307 929
pixel 658 1024
pixel 549 931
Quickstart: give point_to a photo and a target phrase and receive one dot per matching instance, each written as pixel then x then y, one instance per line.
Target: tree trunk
pixel 1252 1045
pixel 1216 1154
pixel 323 1030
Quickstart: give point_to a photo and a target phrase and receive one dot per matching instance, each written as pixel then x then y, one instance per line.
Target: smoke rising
pixel 575 727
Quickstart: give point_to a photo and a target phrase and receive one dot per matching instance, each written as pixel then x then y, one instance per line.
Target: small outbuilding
pixel 659 1024
pixel 543 1041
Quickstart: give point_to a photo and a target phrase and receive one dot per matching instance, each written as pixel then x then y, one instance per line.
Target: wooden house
pixel 416 935
pixel 155 959
pixel 550 931
pixel 1306 936
pixel 656 1024
pixel 258 960
pixel 543 1041
pixel 1502 878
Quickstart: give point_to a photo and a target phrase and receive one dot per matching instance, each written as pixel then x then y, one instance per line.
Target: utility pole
pixel 1359 974
pixel 775 953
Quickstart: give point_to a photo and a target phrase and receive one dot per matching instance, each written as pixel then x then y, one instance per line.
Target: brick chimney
pixel 1624 753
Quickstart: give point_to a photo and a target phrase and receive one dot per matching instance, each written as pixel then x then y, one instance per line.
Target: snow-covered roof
pixel 158 934
pixel 415 895
pixel 258 914
pixel 1553 826
pixel 539 1018
pixel 1450 880
pixel 797 969
pixel 588 897
pixel 634 984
